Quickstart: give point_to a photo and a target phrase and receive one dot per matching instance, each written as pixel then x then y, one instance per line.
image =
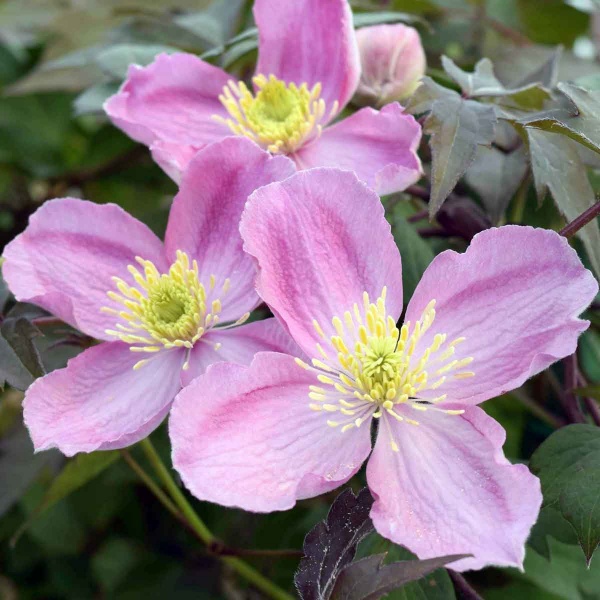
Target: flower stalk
pixel 202 531
pixel 583 219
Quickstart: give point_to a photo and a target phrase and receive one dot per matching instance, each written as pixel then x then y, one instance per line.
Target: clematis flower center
pixel 280 117
pixel 168 310
pixel 370 367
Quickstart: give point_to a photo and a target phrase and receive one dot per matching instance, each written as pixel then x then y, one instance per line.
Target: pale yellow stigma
pixel 169 310
pixel 280 117
pixel 370 367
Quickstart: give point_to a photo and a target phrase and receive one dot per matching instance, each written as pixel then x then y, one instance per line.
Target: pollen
pixel 168 310
pixel 279 117
pixel 369 367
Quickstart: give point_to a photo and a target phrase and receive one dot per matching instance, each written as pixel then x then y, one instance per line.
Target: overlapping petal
pixel 98 401
pixel 66 257
pixel 320 239
pixel 239 345
pixel 450 490
pixel 379 146
pixel 515 296
pixel 309 41
pixel 172 158
pixel 173 99
pixel 205 216
pixel 245 437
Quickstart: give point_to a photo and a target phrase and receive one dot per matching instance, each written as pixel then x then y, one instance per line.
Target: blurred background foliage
pixel 110 538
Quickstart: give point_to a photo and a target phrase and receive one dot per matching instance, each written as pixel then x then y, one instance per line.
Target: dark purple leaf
pixel 331 544
pixel 370 579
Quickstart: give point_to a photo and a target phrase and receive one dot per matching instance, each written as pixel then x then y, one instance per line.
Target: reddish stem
pixel 583 219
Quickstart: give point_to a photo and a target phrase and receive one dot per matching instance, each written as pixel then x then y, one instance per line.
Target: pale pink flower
pixel 308 69
pixel 160 310
pixel 478 325
pixel 392 63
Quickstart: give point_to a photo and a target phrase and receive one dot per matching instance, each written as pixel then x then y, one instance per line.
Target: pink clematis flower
pixel 308 69
pixel 262 436
pixel 157 308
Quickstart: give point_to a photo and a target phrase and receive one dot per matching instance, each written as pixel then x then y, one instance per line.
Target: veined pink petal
pixel 239 345
pixel 379 146
pixel 450 490
pixel 309 41
pixel 99 402
pixel 246 437
pixel 205 216
pixel 173 100
pixel 514 296
pixel 66 257
pixel 321 240
pixel 172 158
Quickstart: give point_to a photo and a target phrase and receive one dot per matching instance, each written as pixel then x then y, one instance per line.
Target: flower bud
pixel 393 62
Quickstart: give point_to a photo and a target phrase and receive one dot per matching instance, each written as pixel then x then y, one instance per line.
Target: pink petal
pixel 205 216
pixel 309 41
pixel 239 345
pixel 99 402
pixel 321 240
pixel 450 490
pixel 172 158
pixel 246 437
pixel 173 100
pixel 515 295
pixel 379 146
pixel 66 257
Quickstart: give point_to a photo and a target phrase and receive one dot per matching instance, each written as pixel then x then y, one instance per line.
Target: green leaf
pixel 578 117
pixel 370 579
pixel 115 60
pixel 22 119
pixel 565 575
pixel 558 167
pixel 165 31
pixel 77 472
pixel 19 465
pixel 553 23
pixel 415 251
pixel 546 73
pixel 366 19
pixel 215 23
pixel 114 561
pixel 589 346
pixel 496 176
pixel 18 331
pixel 12 370
pixel 568 465
pixel 457 128
pixel 483 82
pixel 550 524
pixel 92 100
pixel 593 391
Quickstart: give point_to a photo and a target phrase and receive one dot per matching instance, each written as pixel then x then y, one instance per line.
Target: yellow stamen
pixel 381 367
pixel 279 117
pixel 163 311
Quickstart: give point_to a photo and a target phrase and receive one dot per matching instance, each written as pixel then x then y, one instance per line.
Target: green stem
pixel 203 532
pixel 150 484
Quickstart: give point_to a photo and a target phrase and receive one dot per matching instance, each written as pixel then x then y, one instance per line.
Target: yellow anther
pixel 337 323
pixel 280 117
pixel 370 368
pixel 318 328
pixel 164 311
pixel 464 375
